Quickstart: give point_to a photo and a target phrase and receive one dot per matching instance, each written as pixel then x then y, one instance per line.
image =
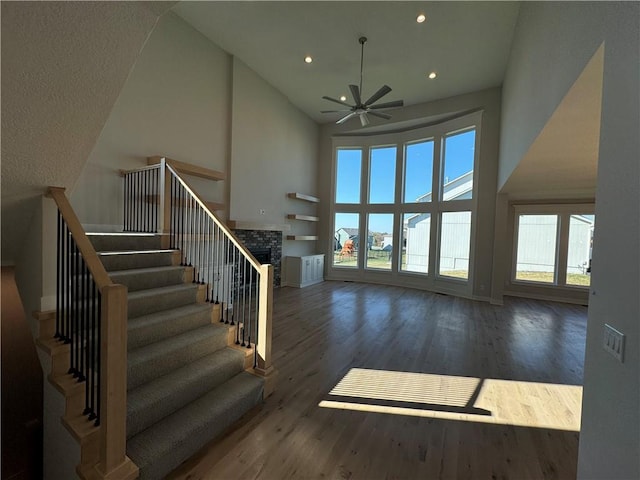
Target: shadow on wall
pixel 21 389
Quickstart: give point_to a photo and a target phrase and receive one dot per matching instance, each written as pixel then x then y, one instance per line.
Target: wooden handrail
pixel 113 462
pixel 188 168
pixel 82 241
pixel 203 203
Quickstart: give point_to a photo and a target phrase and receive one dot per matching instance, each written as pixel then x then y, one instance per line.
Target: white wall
pixel 188 99
pixel 553 42
pixel 274 151
pixel 175 103
pixel 542 68
pixel 610 438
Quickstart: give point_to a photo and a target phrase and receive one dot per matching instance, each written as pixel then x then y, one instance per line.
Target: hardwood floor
pixel 494 392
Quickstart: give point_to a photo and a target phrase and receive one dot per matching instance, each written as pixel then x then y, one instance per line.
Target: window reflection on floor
pixel 505 402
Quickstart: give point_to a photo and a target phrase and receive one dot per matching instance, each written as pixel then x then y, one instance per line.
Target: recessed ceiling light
pixel 421 18
pixel 308 59
pixel 343 98
pixel 433 75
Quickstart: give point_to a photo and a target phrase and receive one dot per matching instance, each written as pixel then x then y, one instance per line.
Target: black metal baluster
pixel 140 202
pixel 124 203
pixel 92 389
pixel 225 280
pixel 191 237
pixel 134 206
pixel 245 283
pixel 89 347
pixel 185 223
pixel 203 243
pixel 196 239
pixel 58 276
pixel 234 298
pixel 156 217
pixel 98 360
pixel 183 228
pixel 171 221
pixel 74 310
pixel 147 201
pixel 67 286
pixel 207 270
pixel 216 240
pixel 81 323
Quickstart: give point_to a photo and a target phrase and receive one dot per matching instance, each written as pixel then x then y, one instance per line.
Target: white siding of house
pixel 579 245
pixel 417 249
pixel 537 243
pixel 456 234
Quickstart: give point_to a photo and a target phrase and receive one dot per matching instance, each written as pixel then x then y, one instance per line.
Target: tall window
pixel 579 249
pixel 416 234
pixel 553 245
pixel 348 171
pixel 537 236
pixel 407 202
pixel 382 175
pixel 346 240
pixel 418 171
pixel 454 244
pixel 457 170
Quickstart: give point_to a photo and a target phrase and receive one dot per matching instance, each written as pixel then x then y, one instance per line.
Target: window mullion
pixel 563 249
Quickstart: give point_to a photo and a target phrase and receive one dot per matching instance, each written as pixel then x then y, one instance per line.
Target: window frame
pixel 564 212
pixel 400 139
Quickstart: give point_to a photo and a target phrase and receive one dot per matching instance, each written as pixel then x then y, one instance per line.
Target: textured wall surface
pixel 63 66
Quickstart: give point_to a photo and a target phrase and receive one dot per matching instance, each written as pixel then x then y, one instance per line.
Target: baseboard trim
pixel 547 298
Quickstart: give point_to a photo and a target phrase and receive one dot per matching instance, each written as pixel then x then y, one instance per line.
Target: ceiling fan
pixel 363 109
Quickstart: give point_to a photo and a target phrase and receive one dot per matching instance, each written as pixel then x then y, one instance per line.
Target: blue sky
pixel 458 160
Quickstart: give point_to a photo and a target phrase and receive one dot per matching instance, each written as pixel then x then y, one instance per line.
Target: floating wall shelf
pixel 306 218
pixel 302 237
pixel 302 196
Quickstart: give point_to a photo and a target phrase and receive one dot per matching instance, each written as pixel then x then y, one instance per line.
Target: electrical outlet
pixel 613 342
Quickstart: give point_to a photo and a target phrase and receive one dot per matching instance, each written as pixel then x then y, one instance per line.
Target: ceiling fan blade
pixel 334 111
pixel 396 103
pixel 337 101
pixel 379 94
pixel 355 92
pixel 346 117
pixel 364 119
pixel 386 116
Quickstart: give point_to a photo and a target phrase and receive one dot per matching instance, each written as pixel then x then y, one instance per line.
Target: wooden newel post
pixel 114 464
pixel 264 320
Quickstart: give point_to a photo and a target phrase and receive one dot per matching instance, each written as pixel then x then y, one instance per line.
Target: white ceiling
pixel 467 43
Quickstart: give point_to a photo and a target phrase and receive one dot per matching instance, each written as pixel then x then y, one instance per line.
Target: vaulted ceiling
pixel 466 43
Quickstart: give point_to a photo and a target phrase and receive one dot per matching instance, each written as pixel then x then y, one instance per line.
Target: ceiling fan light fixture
pixel 359 107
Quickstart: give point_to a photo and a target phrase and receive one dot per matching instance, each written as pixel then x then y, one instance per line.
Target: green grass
pixel 380 260
pixel 547 277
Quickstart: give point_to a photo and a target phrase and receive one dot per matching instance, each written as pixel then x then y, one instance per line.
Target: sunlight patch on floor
pixel 509 402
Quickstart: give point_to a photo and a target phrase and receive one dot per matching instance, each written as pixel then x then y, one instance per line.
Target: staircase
pixel 186 378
